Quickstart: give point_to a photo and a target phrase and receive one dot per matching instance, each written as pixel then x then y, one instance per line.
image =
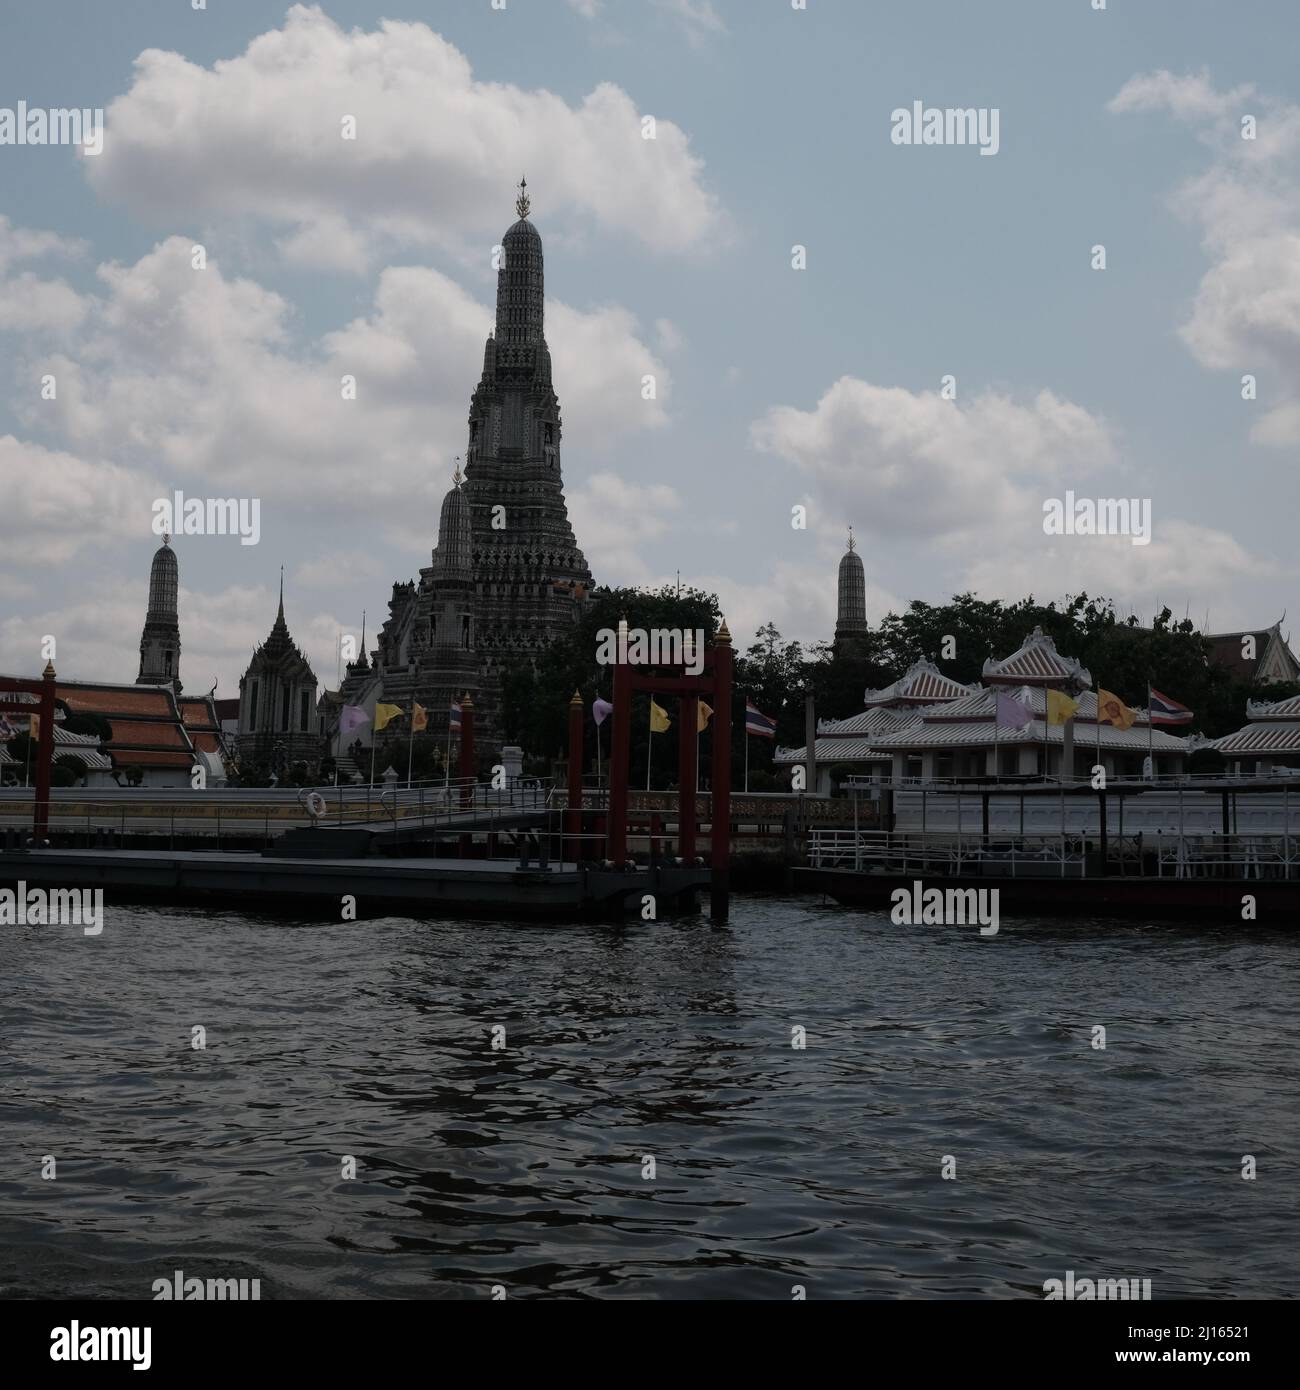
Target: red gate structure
pixel 44 688
pixel 715 682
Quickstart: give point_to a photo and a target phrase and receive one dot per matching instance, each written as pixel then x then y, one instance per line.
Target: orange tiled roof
pixel 149 757
pixel 108 701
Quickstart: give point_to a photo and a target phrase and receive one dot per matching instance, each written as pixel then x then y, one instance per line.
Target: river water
pixel 528 1166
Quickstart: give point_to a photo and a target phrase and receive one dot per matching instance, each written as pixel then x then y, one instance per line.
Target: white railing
pixel 1161 854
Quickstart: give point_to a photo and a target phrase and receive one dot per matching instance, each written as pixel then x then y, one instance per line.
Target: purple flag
pixel 601 710
pixel 352 717
pixel 1012 712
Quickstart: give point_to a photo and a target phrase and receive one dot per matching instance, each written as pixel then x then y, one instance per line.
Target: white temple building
pixel 927 727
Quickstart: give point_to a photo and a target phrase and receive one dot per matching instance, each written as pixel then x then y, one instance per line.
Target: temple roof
pixel 1273 659
pixel 923 683
pixel 147 723
pixel 1274 728
pixel 1036 662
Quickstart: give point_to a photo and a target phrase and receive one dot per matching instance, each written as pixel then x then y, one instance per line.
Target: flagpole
pixel 649 751
pixel 372 755
pixel 747 761
pixel 1151 735
pixel 410 743
pixel 446 772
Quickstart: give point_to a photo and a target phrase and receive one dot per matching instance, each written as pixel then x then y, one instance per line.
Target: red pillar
pixel 573 812
pixel 620 754
pixel 44 756
pixel 688 743
pixel 720 861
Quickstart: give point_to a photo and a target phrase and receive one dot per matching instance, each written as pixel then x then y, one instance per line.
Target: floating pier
pixel 381 886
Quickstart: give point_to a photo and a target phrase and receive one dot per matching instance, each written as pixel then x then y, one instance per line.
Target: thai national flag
pixel 757 723
pixel 7 730
pixel 455 717
pixel 1166 711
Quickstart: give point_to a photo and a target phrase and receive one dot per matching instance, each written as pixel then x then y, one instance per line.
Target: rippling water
pixel 523 1167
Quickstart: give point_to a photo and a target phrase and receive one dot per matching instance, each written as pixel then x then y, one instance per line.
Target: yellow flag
pixel 1060 708
pixel 703 717
pixel 419 718
pixel 659 720
pixel 384 714
pixel 1112 710
pixel 34 728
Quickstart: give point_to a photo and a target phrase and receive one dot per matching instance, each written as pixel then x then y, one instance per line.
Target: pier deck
pixel 492 887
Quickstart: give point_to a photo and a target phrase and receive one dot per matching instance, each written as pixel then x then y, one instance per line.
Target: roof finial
pixel 281 614
pixel 455 477
pixel 167 537
pixel 523 202
pixel 852 542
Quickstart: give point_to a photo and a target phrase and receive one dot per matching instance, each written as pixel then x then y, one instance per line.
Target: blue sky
pixel 777 387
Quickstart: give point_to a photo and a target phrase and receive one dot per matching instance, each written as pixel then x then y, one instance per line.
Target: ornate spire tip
pixel 523 202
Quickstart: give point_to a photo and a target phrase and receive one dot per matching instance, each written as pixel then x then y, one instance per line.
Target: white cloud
pixel 893 461
pixel 1185 563
pixel 26 244
pixel 258 138
pixel 697 18
pixel 196 376
pixel 1245 317
pixel 669 336
pixel 56 504
pixel 613 518
pixel 1189 97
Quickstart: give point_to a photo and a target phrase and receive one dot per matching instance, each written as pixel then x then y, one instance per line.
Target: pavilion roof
pixel 1037 662
pixel 922 683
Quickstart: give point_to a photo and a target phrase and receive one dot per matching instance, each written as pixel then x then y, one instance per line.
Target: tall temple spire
pixel 520 280
pixel 851 608
pixel 160 641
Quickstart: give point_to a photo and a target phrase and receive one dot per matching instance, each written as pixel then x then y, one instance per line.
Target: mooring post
pixel 44 756
pixel 688 742
pixel 620 751
pixel 573 807
pixel 720 858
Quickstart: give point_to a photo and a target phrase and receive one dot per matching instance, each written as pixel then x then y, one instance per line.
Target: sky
pixel 942 360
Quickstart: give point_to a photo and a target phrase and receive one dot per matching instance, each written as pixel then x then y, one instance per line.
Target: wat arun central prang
pixel 506 577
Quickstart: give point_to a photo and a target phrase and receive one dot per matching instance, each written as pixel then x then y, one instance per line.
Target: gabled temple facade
pixel 277 703
pixel 850 746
